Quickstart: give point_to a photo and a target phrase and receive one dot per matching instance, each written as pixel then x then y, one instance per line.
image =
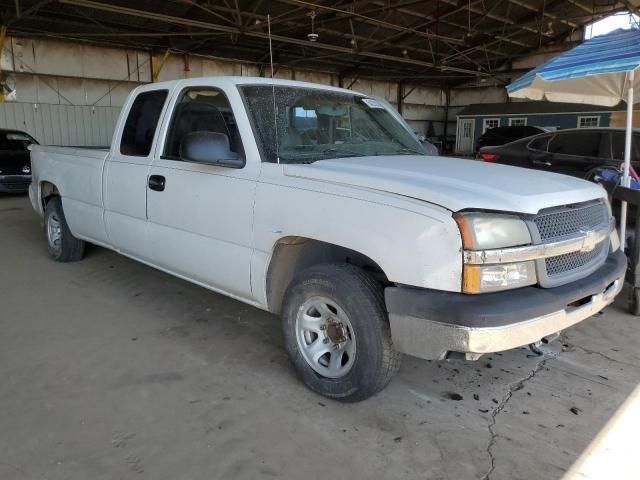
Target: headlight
pixel 481 231
pixel 484 231
pixel 491 278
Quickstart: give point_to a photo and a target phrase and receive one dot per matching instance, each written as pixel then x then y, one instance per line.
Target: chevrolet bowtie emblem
pixel 590 241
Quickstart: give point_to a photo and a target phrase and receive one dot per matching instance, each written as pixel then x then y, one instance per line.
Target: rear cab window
pixel 141 123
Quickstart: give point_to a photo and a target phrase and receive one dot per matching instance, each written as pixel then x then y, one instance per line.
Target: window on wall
pixel 588 121
pixel 489 123
pixel 517 122
pixel 467 128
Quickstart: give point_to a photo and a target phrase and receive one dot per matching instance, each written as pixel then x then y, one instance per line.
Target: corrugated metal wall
pixel 71 93
pixel 78 125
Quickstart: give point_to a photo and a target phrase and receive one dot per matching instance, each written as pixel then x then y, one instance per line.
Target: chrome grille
pixel 565 222
pixel 572 261
pixel 569 221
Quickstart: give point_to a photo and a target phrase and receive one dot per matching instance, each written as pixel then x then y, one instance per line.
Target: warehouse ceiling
pixel 433 42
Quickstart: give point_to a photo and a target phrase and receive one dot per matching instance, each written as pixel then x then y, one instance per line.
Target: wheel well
pixel 47 190
pixel 293 254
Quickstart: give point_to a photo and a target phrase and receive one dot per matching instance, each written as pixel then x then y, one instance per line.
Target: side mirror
pixel 211 148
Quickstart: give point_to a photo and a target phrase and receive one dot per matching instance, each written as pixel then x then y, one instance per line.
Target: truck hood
pixel 453 183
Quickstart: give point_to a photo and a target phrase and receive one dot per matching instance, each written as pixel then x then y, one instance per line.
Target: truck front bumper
pixel 430 324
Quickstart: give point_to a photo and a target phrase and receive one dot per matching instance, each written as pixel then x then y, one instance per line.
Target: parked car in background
pixel 501 135
pixel 15 164
pixel 576 152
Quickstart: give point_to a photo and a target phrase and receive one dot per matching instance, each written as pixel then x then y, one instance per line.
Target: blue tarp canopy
pixel 600 71
pixel 595 72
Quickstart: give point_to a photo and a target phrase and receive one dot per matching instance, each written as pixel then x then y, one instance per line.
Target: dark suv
pixel 15 164
pixel 576 152
pixel 501 135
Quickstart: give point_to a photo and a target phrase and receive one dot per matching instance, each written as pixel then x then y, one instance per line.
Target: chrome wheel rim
pixel 325 337
pixel 54 232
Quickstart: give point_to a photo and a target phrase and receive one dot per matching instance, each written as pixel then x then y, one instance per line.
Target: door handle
pixel 542 162
pixel 156 182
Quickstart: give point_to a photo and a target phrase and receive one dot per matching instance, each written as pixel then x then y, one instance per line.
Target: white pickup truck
pixel 317 204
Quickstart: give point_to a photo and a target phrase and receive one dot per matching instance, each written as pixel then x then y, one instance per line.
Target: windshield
pixel 314 124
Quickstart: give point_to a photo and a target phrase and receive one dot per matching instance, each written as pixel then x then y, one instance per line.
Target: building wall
pixel 559 121
pixel 619 119
pixel 71 93
pixel 61 124
pixel 59 79
pixel 462 97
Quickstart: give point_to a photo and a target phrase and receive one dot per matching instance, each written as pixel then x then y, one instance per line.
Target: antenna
pixel 273 90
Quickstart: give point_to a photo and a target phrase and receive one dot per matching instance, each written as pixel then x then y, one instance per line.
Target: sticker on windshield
pixel 371 103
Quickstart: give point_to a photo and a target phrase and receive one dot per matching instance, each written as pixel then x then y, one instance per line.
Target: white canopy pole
pixel 627 158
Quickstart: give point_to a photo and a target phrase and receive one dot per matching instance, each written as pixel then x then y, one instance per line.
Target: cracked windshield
pixel 315 124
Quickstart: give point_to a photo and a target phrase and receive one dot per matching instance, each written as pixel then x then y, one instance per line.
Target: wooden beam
pixel 156 65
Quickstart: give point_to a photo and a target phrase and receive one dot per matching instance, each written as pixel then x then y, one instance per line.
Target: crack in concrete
pixel 513 387
pixel 594 352
pixel 13 467
pixel 587 351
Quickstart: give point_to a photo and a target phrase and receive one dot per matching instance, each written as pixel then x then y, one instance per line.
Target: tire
pixel 62 245
pixel 336 332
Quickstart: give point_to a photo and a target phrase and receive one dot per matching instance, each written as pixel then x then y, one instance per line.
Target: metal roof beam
pixel 278 38
pixel 374 21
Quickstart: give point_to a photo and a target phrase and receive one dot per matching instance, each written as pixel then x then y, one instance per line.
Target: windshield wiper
pixel 342 153
pixel 403 151
pixel 327 154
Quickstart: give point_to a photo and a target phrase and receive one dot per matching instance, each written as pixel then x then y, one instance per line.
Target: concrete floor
pixel 112 370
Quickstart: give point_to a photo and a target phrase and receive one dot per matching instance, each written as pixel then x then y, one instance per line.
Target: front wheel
pixel 62 245
pixel 337 334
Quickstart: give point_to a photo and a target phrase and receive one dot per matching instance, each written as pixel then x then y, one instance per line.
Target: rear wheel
pixel 62 245
pixel 337 334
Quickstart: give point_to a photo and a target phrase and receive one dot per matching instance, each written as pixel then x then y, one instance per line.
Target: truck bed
pixel 93 152
pixel 75 171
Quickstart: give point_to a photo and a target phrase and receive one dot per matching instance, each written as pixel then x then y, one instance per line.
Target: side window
pixel 140 127
pixel 201 109
pixel 540 143
pixel 581 144
pixel 617 146
pixel 605 145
